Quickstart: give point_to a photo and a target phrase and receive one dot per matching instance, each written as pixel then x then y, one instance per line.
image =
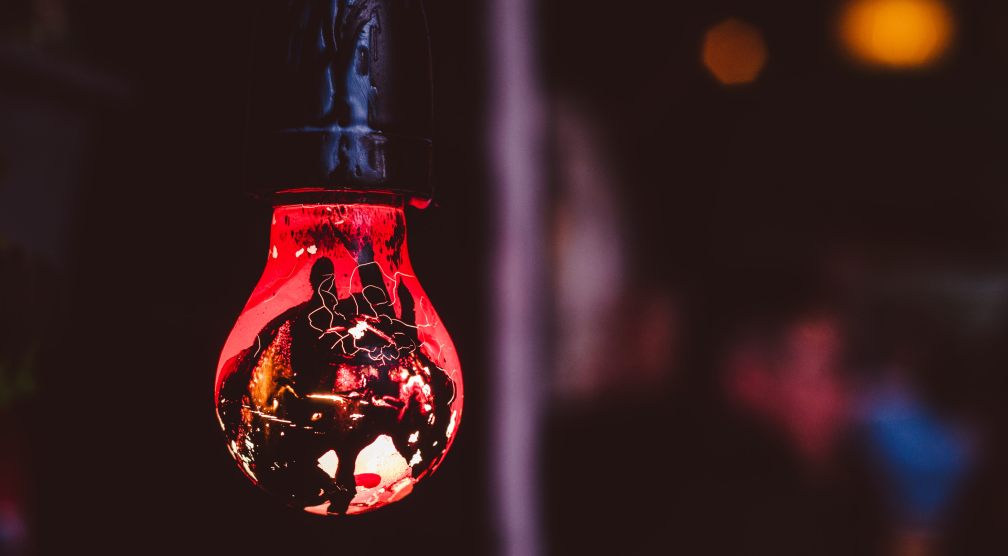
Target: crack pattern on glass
pixel 338 388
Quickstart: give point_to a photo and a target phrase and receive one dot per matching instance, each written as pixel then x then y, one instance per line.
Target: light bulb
pixel 339 388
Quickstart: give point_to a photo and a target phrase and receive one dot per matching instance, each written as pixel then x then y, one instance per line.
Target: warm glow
pixel 896 33
pixel 734 52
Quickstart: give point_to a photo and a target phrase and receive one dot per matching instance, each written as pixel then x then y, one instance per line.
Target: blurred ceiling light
pixel 734 51
pixel 896 33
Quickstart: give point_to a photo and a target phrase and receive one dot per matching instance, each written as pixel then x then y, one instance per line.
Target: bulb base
pixel 340 98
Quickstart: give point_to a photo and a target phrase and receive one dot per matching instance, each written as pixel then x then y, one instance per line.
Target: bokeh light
pixel 734 51
pixel 896 33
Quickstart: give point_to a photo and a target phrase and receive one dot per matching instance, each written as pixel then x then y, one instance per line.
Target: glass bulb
pixel 338 388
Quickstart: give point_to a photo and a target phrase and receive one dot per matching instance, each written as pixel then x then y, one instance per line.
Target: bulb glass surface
pixel 338 388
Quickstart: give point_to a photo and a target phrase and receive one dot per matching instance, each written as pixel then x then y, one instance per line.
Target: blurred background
pixel 766 245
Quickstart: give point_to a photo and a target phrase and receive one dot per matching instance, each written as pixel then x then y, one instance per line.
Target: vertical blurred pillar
pixel 515 133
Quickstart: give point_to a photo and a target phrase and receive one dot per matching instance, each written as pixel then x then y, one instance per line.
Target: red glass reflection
pixel 338 388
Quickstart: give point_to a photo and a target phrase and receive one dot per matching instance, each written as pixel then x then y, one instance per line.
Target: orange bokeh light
pixel 734 52
pixel 896 33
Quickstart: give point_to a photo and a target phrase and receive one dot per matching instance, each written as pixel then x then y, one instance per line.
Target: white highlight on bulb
pixel 451 425
pixel 382 459
pixel 322 509
pixel 329 462
pixel 358 330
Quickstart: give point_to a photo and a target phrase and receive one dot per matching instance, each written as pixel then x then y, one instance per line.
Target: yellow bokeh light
pixel 734 52
pixel 896 33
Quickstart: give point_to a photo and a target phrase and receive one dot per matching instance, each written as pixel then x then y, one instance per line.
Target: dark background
pixel 732 198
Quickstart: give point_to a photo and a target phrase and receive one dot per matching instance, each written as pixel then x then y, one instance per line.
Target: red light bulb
pixel 338 388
